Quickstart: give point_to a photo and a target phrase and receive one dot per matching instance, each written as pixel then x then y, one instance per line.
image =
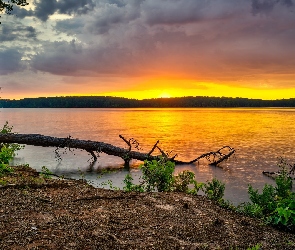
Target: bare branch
pixel 127 142
pixel 154 147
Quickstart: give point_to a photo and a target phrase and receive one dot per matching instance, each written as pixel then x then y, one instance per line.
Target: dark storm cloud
pixel 109 14
pixel 61 58
pixel 6 34
pixel 10 61
pixel 70 58
pixel 71 26
pixel 45 8
pixel 21 12
pixel 173 12
pixel 74 7
pixel 30 32
pixel 266 6
pixel 10 32
pixel 200 39
pixel 204 40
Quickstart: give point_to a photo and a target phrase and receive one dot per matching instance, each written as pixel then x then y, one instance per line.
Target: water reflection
pixel 258 135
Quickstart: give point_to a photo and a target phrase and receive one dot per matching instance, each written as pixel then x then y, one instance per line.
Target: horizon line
pixel 155 98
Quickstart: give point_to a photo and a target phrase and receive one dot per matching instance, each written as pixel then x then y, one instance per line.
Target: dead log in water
pixel 285 169
pixel 95 147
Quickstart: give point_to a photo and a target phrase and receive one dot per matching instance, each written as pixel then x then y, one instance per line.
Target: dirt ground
pixel 66 214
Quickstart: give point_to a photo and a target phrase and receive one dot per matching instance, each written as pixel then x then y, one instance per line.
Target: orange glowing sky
pixel 149 49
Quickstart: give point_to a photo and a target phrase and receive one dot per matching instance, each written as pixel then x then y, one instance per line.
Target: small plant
pixel 158 174
pixel 182 181
pixel 265 200
pixel 3 182
pixel 7 151
pixel 276 205
pixel 283 181
pixel 5 169
pixel 110 185
pixel 129 186
pixel 284 214
pixel 82 174
pixel 46 173
pixel 256 247
pixel 251 209
pixel 214 189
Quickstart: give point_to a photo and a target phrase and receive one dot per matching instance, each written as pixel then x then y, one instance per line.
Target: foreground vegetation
pixel 42 213
pixel 7 151
pixel 275 205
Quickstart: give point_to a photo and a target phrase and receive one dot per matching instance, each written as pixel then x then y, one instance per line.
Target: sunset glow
pixel 164 95
pixel 149 49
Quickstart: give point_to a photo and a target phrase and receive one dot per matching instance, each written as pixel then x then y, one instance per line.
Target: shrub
pixel 276 205
pixel 283 181
pixel 158 174
pixel 46 173
pixel 265 200
pixel 214 189
pixel 129 186
pixel 7 151
pixel 251 209
pixel 182 181
pixel 4 169
pixel 284 214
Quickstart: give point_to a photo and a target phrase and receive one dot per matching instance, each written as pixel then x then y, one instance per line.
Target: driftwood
pixel 276 174
pixel 95 147
pixel 284 168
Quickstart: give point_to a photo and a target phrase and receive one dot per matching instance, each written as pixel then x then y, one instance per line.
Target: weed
pixel 256 247
pixel 182 181
pixel 283 181
pixel 276 205
pixel 251 209
pixel 158 174
pixel 7 151
pixel 3 182
pixel 82 174
pixel 5 169
pixel 129 186
pixel 109 184
pixel 214 189
pixel 46 173
pixel 265 200
pixel 284 214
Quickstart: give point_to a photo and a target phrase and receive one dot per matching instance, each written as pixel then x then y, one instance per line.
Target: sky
pixel 149 48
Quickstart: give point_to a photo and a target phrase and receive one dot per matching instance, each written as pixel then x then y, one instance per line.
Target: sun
pixel 164 95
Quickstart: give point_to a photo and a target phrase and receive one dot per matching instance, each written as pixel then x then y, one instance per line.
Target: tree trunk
pixel 95 147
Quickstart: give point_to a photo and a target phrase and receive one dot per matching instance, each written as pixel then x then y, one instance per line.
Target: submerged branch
pixel 214 158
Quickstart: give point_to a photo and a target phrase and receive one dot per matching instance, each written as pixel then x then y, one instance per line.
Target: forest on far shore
pixel 119 102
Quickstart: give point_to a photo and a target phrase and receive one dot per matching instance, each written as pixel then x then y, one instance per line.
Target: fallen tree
pixel 95 147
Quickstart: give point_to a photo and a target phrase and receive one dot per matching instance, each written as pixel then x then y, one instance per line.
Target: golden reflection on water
pixel 258 135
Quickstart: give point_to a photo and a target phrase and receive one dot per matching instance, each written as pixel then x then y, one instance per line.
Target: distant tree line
pixel 118 102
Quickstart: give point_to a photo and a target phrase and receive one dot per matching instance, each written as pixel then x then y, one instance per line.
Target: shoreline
pixel 38 213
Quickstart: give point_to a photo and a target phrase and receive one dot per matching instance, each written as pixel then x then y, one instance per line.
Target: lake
pixel 259 136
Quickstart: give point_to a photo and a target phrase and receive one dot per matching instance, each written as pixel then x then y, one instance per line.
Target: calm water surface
pixel 258 135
